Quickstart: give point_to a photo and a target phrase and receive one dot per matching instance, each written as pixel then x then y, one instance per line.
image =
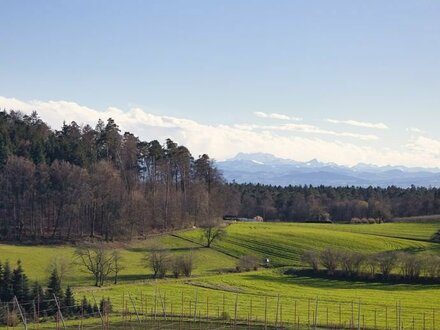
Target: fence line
pixel 233 310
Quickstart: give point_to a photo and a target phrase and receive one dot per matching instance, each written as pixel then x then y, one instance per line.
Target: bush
pixel 352 262
pixel 330 259
pixel 187 264
pixel 247 263
pixel 11 319
pixel 410 265
pixel 311 258
pixel 386 262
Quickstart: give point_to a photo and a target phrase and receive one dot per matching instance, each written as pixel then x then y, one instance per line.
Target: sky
pixel 340 81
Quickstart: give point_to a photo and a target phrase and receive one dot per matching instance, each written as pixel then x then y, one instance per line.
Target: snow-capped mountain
pixel 267 169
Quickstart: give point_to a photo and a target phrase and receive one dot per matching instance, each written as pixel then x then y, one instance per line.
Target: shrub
pixel 351 262
pixel 330 259
pixel 187 264
pixel 386 262
pixel 311 258
pixel 247 263
pixel 410 265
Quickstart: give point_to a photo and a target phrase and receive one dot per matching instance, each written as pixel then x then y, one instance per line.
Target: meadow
pixel 214 289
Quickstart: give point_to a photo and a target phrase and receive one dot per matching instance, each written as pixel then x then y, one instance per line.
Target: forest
pixel 83 181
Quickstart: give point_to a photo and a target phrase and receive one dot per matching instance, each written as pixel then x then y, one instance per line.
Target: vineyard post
pixel 327 316
pixel 250 311
pixel 181 310
pixel 433 318
pixel 207 307
pixel 359 315
pixel 308 313
pixel 165 305
pixel 190 309
pixel 142 304
pixel 386 317
pixel 123 307
pixel 35 312
pixel 235 310
pixel 352 315
pixel 265 312
pixel 155 304
pixel 134 307
pixel 82 317
pixel 146 308
pixel 22 316
pixel 316 312
pixel 195 305
pixel 277 310
pixel 59 311
pixel 340 314
pixel 424 321
pixel 375 319
pixel 281 315
pixel 294 312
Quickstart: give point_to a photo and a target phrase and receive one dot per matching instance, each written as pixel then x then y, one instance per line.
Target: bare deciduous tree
pixel 330 259
pixel 62 265
pixel 158 260
pixel 96 260
pixel 212 231
pixel 118 265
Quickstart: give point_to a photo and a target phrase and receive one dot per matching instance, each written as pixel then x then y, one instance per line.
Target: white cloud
pixel 358 123
pixel 304 128
pixel 414 130
pixel 275 116
pixel 290 140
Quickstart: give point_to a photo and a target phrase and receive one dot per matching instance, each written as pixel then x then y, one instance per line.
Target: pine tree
pixel 54 290
pixel 69 302
pixel 54 286
pixel 20 284
pixel 86 307
pixel 6 291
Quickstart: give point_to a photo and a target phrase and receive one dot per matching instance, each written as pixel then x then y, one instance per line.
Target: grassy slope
pixel 36 259
pixel 283 244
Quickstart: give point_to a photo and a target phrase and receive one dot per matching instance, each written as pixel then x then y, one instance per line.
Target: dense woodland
pixel 83 181
pixel 97 182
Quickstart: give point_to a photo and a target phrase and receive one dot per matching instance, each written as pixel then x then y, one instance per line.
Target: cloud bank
pixel 290 140
pixel 275 116
pixel 358 123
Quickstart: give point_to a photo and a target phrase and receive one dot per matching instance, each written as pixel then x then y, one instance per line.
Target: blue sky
pixel 180 68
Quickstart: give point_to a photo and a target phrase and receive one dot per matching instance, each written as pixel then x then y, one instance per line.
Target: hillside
pixel 282 243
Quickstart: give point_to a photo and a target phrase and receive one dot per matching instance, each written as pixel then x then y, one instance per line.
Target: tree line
pixel 82 181
pixel 389 265
pixel 337 204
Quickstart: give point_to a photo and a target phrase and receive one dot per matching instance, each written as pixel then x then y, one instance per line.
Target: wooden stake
pixel 59 311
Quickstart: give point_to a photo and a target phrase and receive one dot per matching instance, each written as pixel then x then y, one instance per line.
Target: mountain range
pixel 265 168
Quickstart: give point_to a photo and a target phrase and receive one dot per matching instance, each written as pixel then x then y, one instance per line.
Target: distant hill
pixel 267 169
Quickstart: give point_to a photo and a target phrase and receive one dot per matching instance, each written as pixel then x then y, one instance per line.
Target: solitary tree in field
pixel 97 261
pixel 213 232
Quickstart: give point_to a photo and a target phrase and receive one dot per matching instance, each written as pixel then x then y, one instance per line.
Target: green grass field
pixel 214 287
